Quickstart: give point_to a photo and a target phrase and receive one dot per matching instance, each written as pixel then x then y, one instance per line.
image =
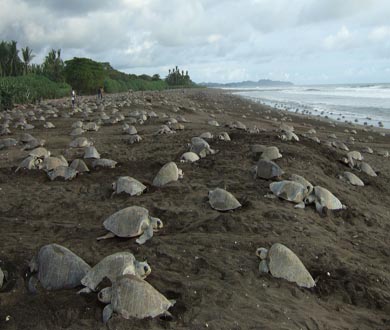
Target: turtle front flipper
pixel 108 235
pixel 147 234
pixel 107 313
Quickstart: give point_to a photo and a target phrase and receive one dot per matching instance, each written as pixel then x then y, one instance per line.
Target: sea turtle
pixel 383 153
pixel 103 162
pixel 48 124
pixel 213 123
pixel 177 126
pixel 50 163
pixel 91 126
pixel 26 137
pixel 77 131
pixel 130 296
pixel 91 152
pixel 130 130
pixel 267 169
pixel 80 142
pixel 224 136
pixel 271 153
pixel 164 129
pixel 30 163
pixel 79 166
pixel 340 145
pixel 131 221
pixel 77 124
pixel 57 268
pixel 322 197
pixel 200 147
pixel 128 185
pixel 112 267
pixel 222 200
pixel 189 157
pixel 131 139
pixel 367 150
pixel 34 144
pixel 238 125
pixel 39 152
pixel 168 173
pixel 352 179
pixel 289 190
pixel 366 168
pixel 300 179
pixel 206 135
pixel 286 128
pixel 64 172
pixel 6 143
pixel 289 136
pixel 281 262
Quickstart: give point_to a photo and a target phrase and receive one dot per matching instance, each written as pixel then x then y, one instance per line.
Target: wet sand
pixel 202 258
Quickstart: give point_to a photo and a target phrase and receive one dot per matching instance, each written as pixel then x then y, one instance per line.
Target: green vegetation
pixel 29 89
pixel 84 75
pixel 23 82
pixel 179 79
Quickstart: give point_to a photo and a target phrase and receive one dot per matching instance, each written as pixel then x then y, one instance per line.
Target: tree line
pixel 22 81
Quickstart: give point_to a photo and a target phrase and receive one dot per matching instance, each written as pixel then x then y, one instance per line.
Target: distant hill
pixel 250 84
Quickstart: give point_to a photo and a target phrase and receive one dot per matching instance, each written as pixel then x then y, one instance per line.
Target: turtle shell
pixel 168 173
pixel 127 222
pixel 129 185
pixel 267 169
pixel 222 200
pixel 289 190
pixel 326 199
pixel 58 267
pixel 134 297
pixel 284 263
pixel 112 267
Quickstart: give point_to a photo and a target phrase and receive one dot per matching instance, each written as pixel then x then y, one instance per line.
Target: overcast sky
pixel 303 41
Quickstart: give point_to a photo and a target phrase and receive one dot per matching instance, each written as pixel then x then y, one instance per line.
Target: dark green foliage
pixel 177 78
pixel 53 66
pixel 84 75
pixel 10 63
pixel 29 89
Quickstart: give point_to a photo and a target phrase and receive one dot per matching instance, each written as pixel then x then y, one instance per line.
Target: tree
pixel 84 75
pixel 10 63
pixel 27 58
pixel 53 66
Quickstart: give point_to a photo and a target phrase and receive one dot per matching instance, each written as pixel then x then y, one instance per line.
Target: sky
pixel 303 41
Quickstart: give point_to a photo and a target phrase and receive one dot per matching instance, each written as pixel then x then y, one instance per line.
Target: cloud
pixel 380 33
pixel 341 40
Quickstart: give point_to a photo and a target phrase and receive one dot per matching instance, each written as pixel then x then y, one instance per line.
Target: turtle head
pixel 262 253
pixel 113 186
pixel 104 295
pixel 180 174
pixel 156 223
pixel 142 269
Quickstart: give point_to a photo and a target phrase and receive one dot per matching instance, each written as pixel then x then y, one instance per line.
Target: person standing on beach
pixel 73 95
pixel 99 93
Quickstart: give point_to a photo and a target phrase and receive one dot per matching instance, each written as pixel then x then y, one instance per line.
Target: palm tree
pixel 27 57
pixel 14 63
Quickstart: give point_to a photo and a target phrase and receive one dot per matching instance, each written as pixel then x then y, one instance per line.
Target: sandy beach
pixel 202 258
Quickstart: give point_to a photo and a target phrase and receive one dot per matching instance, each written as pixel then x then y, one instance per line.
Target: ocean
pixel 364 104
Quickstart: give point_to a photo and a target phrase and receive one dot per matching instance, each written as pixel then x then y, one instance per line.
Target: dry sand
pixel 204 259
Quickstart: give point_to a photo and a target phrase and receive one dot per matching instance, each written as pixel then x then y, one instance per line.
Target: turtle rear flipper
pixel 107 313
pixel 108 235
pixel 32 284
pixel 147 234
